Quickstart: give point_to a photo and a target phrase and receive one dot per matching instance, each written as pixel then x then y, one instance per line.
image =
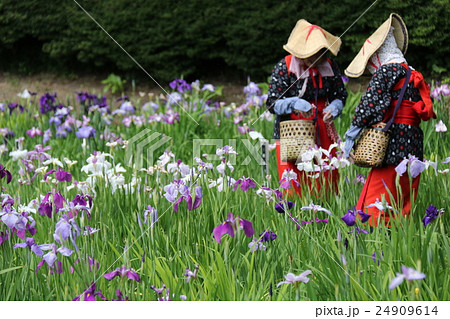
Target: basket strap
pixel 399 101
pixel 316 94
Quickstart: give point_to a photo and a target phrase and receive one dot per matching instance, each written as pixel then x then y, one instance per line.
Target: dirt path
pixel 11 85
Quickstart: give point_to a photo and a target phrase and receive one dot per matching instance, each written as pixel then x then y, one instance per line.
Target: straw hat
pixel 374 42
pixel 307 39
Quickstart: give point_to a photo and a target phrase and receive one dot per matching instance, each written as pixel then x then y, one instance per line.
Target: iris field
pixel 167 197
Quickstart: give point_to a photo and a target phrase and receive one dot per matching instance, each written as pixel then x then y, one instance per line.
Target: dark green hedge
pixel 200 38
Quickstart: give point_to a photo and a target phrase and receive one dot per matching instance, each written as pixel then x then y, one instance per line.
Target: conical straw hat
pixel 374 42
pixel 307 39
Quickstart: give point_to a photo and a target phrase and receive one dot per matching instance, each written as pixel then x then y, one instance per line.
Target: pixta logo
pixel 142 146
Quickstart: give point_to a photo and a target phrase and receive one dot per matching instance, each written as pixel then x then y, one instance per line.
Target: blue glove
pixel 335 108
pixel 350 136
pixel 284 106
pixel 302 105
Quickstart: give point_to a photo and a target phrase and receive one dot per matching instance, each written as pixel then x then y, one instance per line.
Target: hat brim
pixel 307 39
pixel 374 42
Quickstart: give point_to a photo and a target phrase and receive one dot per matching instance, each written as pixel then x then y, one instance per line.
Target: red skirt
pixel 312 185
pixel 381 182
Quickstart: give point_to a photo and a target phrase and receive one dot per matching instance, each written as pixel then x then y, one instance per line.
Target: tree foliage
pixel 200 38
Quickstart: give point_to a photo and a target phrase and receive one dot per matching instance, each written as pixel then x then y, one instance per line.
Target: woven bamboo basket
pixel 296 137
pixel 370 150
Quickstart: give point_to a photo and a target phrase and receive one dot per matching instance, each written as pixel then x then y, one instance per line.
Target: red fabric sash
pixel 406 114
pixel 424 108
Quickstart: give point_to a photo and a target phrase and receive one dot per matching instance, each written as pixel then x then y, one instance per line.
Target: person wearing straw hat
pixel 306 85
pixel 383 56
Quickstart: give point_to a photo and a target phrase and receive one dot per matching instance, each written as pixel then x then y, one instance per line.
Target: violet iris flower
pixel 288 176
pixel 231 225
pixel 123 272
pixel 120 296
pixel 89 294
pixel 66 229
pixel 191 274
pixel 431 214
pixel 61 175
pixel 280 207
pixel 255 245
pixel 45 208
pixel 245 184
pixel 33 132
pixel 252 89
pixel 267 235
pixel 51 257
pixel 4 236
pixel 85 132
pixel 415 166
pixel 317 220
pixel 293 279
pixel 408 274
pixel 350 217
pixel 5 173
pixel 153 215
pixel 91 262
pixel 30 244
pixel 358 231
pixel 180 85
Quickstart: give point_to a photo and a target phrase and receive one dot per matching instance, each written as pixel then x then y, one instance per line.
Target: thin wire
pixel 134 60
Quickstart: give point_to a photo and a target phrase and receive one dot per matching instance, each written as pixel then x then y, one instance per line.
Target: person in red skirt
pixel 307 85
pixel 383 56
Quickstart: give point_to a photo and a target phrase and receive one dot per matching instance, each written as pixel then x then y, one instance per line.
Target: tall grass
pixel 183 239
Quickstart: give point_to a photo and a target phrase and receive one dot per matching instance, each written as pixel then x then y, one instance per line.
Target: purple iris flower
pixel 408 274
pixel 89 294
pixel 120 296
pixel 344 79
pixel 47 136
pixel 45 208
pixel 63 176
pixel 61 131
pixel 127 107
pixel 358 230
pixel 415 166
pixel 375 259
pixel 4 236
pixel 51 257
pixel 30 244
pixel 5 173
pixel 123 272
pixel 293 279
pixel 267 235
pixel 34 132
pixel 180 85
pixel 47 103
pixel 85 132
pixel 231 225
pixel 252 89
pixel 297 223
pixel 244 183
pixel 153 215
pixel 122 98
pixel 317 220
pixel 91 262
pixel 191 274
pixel 280 207
pixel 286 178
pixel 66 229
pixel 350 217
pixel 431 214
